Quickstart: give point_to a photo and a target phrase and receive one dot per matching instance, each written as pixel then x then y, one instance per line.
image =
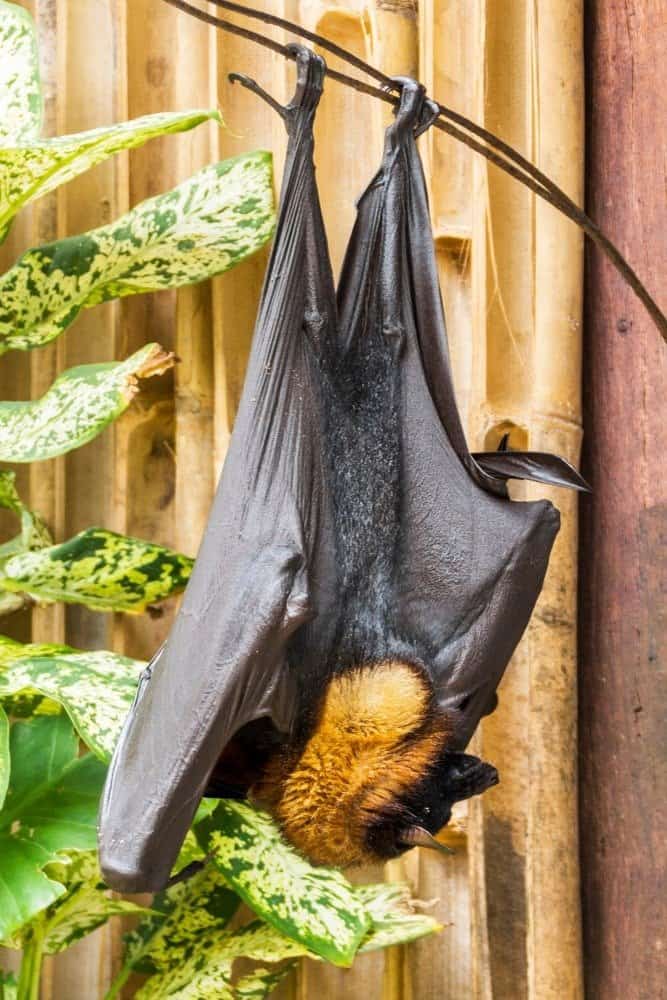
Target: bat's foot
pixel 415 112
pixel 310 72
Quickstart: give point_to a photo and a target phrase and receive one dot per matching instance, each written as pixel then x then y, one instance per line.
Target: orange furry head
pixel 378 745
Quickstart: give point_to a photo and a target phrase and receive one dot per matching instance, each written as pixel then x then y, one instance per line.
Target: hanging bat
pixel 363 579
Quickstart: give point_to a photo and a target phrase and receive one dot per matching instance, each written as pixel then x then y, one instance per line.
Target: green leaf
pixel 395 920
pixel 316 907
pixel 5 758
pixel 51 807
pixel 77 407
pixel 8 986
pixel 261 983
pixel 198 908
pixel 101 569
pixel 34 531
pixel 207 971
pixel 20 91
pixel 86 904
pixel 96 689
pixel 30 167
pixel 202 227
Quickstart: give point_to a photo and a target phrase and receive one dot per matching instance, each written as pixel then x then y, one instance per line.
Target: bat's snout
pixel 465 776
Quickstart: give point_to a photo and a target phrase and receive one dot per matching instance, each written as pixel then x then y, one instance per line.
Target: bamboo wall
pixel 511 278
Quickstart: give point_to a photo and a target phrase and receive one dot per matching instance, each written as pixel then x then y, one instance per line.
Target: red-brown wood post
pixel 623 694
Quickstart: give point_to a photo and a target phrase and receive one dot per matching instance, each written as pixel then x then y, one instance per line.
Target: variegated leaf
pixel 261 983
pixel 185 915
pixel 20 91
pixel 316 907
pixel 207 971
pixel 78 406
pixel 31 167
pixel 51 807
pixel 96 689
pixel 86 904
pixel 202 227
pixel 101 569
pixel 394 916
pixel 34 531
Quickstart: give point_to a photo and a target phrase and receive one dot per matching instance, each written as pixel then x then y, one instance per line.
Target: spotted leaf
pixel 207 970
pixel 96 689
pixel 86 904
pixel 182 917
pixel 316 907
pixel 34 531
pixel 202 227
pixel 78 406
pixel 395 919
pixel 20 91
pixel 31 167
pixel 101 569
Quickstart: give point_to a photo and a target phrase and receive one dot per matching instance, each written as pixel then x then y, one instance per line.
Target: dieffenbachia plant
pixel 98 568
pixel 62 709
pixel 54 893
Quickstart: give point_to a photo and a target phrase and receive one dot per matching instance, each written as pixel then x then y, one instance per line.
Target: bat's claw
pixel 310 72
pixel 255 88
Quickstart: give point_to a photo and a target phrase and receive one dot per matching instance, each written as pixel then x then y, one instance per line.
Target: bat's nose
pixel 468 776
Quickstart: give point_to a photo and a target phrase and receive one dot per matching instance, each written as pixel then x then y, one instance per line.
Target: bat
pixel 363 579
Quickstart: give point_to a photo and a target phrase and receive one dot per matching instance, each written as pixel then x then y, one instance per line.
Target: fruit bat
pixel 363 578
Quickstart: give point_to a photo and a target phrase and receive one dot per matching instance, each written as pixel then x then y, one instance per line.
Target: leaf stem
pixel 31 966
pixel 118 983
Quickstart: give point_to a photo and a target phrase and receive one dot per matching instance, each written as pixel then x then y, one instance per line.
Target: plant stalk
pixel 31 966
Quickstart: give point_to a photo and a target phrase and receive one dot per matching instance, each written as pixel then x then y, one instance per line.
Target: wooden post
pixel 623 689
pixel 526 292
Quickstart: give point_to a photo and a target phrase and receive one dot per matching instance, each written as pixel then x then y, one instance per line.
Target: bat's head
pixel 375 776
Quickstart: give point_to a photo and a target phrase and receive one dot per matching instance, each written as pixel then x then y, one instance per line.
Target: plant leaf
pixel 30 167
pixel 203 227
pixel 260 983
pixel 395 920
pixel 101 569
pixel 86 904
pixel 207 971
pixel 34 531
pixel 317 907
pixel 5 758
pixel 187 913
pixel 51 807
pixel 8 986
pixel 96 689
pixel 77 407
pixel 20 91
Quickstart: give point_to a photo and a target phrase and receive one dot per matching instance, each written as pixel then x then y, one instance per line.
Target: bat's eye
pixel 464 703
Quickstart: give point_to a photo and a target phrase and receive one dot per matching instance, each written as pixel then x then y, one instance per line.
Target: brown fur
pixel 376 736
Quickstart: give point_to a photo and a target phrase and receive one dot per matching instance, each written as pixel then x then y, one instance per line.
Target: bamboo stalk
pixel 527 297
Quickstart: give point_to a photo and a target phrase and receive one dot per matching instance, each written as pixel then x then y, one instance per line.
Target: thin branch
pixel 500 153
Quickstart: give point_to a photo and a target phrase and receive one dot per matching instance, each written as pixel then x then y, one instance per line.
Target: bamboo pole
pixel 527 302
pixel 47 479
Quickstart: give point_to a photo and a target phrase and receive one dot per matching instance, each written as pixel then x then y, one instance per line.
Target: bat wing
pixel 470 562
pixel 224 663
